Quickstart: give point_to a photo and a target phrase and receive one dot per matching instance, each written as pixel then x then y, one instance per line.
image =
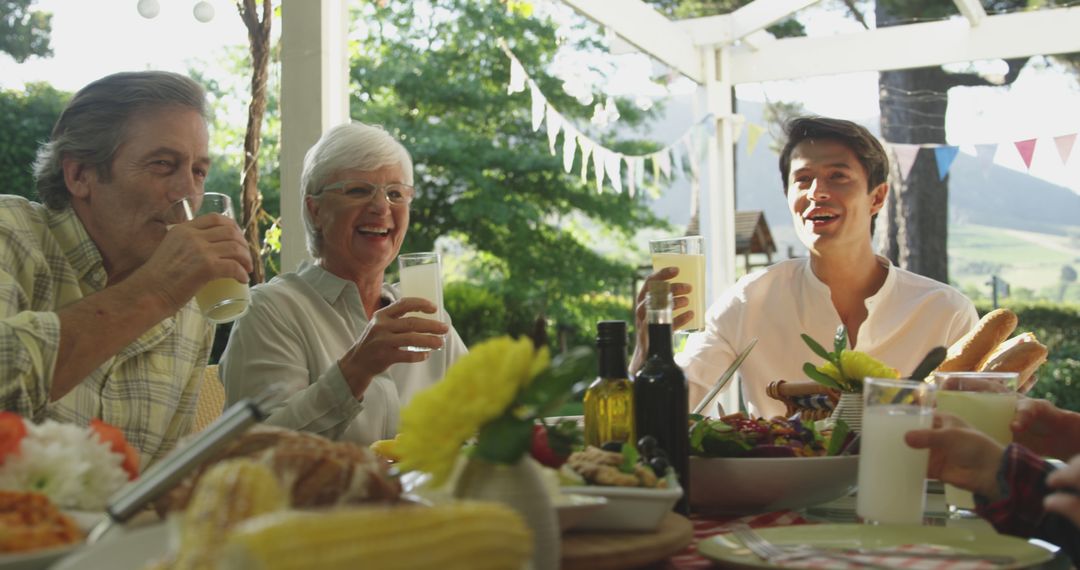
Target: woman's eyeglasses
pixel 363 192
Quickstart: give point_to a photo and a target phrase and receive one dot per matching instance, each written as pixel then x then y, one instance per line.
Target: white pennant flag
pixel 677 164
pixel 613 169
pixel 538 105
pixel 905 157
pixel 691 155
pixel 631 175
pixel 663 161
pixel 554 125
pixel 517 77
pixel 586 150
pixel 598 167
pixel 639 171
pixel 569 145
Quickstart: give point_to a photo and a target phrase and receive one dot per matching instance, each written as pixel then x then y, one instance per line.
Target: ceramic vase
pixel 849 408
pixel 520 487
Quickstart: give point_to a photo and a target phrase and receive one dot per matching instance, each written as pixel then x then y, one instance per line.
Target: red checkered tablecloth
pixel 704 527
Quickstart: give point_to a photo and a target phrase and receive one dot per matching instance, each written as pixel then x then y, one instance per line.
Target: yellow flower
pixel 857 365
pixel 477 389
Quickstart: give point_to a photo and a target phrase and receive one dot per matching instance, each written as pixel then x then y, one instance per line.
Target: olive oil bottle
pixel 609 400
pixel 660 391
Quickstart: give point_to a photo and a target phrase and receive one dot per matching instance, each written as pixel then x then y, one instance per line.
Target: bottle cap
pixel 611 332
pixel 659 296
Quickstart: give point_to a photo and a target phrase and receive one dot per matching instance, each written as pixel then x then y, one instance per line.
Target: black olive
pixel 614 446
pixel 659 466
pixel 647 446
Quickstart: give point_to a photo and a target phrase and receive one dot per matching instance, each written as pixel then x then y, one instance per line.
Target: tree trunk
pixel 259 41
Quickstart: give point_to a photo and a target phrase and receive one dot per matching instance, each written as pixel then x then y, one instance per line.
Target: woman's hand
pixel 1066 501
pixel 1046 429
pixel 679 292
pixel 960 455
pixel 381 344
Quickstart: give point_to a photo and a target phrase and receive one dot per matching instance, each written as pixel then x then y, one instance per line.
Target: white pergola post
pixel 314 97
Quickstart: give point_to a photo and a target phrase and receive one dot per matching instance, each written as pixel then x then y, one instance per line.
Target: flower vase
pixel 849 408
pixel 521 487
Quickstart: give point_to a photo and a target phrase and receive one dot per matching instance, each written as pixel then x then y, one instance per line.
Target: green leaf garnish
pixel 817 348
pixel 839 436
pixel 630 457
pixel 820 378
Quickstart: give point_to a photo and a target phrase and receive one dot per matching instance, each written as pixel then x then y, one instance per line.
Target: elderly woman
pixel 333 332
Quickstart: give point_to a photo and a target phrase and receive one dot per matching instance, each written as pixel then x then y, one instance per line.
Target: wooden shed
pixel 752 235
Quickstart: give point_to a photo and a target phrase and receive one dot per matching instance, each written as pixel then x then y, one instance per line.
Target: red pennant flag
pixel 1027 150
pixel 1064 145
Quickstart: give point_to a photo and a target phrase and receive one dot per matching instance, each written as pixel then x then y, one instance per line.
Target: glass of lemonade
pixel 221 300
pixel 688 255
pixel 892 476
pixel 420 275
pixel 987 402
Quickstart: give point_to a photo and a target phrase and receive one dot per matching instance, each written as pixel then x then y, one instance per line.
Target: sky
pixel 92 39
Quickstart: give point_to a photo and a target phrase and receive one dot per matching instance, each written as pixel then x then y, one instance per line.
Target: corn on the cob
pixel 230 492
pixel 466 536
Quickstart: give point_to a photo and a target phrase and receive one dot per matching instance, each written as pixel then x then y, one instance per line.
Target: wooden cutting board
pixel 601 550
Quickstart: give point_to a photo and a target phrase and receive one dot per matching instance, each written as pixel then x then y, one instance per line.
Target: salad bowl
pixel 746 485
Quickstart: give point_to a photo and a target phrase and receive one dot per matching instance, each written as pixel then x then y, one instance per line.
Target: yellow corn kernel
pixel 387 448
pixel 464 535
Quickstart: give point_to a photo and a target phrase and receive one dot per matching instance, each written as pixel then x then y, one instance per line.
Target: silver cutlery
pixel 725 377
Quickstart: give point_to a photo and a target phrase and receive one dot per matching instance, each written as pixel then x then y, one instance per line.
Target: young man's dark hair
pixel 866 147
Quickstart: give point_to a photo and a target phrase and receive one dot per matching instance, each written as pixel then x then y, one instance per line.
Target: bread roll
pixel 973 349
pixel 1022 355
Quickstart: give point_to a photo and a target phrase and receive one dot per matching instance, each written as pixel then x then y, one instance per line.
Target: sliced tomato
pixel 115 438
pixel 12 430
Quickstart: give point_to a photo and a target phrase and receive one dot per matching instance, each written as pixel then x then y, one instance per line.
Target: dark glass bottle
pixel 660 392
pixel 609 400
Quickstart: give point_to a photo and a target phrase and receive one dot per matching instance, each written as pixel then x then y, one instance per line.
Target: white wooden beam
pixel 972 10
pixel 910 46
pixel 648 30
pixel 314 97
pixel 760 14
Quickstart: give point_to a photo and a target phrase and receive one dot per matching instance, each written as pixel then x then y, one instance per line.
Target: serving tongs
pixel 167 473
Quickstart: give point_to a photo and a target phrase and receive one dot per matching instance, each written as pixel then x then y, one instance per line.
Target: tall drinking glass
pixel 688 255
pixel 221 300
pixel 987 402
pixel 892 476
pixel 421 276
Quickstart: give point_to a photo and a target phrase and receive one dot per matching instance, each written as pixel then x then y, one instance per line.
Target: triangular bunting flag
pixel 737 123
pixel 586 150
pixel 753 133
pixel 677 164
pixel 905 157
pixel 554 125
pixel 691 156
pixel 639 170
pixel 1027 150
pixel 517 77
pixel 631 175
pixel 945 156
pixel 569 146
pixel 613 169
pixel 985 153
pixel 538 106
pixel 1064 145
pixel 663 161
pixel 598 166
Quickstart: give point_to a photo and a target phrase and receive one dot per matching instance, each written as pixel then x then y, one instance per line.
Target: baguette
pixel 973 349
pixel 1023 355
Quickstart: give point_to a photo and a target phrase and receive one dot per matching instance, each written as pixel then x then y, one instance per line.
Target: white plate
pixel 131 550
pixel 628 508
pixel 35 560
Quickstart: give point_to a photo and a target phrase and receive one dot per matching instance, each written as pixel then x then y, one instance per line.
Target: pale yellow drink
pixel 988 412
pixel 691 270
pixel 425 282
pixel 223 300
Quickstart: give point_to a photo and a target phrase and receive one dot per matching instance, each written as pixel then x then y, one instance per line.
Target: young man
pixel 96 316
pixel 834 175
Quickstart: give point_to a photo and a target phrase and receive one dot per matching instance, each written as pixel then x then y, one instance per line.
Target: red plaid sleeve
pixel 1022 477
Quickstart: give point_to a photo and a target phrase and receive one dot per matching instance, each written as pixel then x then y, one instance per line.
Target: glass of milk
pixel 420 276
pixel 892 476
pixel 221 300
pixel 987 402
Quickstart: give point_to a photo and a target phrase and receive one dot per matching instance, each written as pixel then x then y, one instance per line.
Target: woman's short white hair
pixel 352 146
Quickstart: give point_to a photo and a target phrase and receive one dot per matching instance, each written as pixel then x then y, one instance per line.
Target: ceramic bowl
pixel 628 508
pixel 761 484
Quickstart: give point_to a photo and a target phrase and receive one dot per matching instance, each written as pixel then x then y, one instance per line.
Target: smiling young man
pixel 96 316
pixel 834 174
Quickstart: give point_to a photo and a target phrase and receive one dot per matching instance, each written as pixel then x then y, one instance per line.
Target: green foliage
pixel 1058 327
pixel 432 73
pixel 28 117
pixel 24 32
pixel 478 313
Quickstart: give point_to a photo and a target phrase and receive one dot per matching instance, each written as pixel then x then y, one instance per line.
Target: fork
pixel 769 552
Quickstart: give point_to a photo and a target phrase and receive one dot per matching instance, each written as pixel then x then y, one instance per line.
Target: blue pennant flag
pixel 945 156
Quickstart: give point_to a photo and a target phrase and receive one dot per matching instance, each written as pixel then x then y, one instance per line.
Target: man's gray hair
pixel 352 146
pixel 94 124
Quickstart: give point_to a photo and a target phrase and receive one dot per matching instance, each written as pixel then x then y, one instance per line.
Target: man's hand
pixel 1046 429
pixel 679 292
pixel 381 343
pixel 193 254
pixel 960 455
pixel 1066 501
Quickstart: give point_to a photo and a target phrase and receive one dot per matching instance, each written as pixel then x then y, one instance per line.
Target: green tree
pixel 28 117
pixel 24 32
pixel 432 73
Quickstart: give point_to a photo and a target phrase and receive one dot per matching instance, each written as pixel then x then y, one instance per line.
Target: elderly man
pixel 834 175
pixel 95 291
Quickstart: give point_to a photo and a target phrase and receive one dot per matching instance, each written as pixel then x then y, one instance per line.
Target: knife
pixel 725 377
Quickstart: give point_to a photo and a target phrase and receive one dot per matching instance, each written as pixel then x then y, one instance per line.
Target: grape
pixel 613 446
pixel 659 466
pixel 647 446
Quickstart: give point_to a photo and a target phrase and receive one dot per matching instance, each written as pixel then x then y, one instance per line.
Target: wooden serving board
pixel 600 550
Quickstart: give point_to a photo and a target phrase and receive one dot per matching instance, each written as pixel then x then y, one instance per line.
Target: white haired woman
pixel 333 331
